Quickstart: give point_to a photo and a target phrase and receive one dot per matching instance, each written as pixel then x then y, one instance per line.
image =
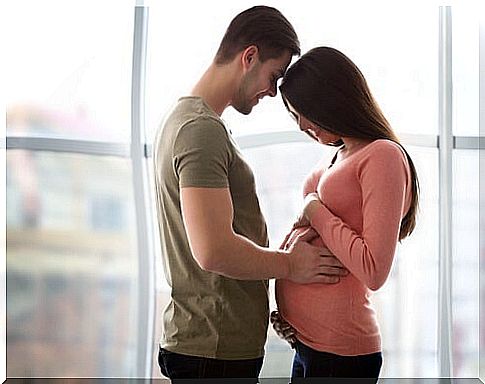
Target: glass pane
pixel 482 252
pixel 407 304
pixel 69 69
pixel 71 266
pixel 466 261
pixel 162 289
pixel 465 71
pixel 400 64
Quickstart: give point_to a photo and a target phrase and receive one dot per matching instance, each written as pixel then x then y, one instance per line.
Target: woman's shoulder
pixel 381 155
pixel 384 148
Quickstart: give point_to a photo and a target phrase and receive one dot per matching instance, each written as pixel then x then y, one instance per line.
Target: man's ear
pixel 249 56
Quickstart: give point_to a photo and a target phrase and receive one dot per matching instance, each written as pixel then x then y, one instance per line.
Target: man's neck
pixel 216 87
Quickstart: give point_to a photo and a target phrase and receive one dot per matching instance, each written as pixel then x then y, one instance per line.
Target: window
pixel 80 224
pixel 465 263
pixel 73 286
pixel 69 69
pixel 71 280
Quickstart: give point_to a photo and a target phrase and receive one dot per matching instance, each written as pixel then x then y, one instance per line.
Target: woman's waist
pixel 345 301
pixel 347 287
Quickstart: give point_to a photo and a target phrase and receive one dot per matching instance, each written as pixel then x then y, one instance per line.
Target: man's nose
pixel 272 91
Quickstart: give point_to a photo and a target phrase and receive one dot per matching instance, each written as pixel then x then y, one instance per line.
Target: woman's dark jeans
pixel 311 363
pixel 177 366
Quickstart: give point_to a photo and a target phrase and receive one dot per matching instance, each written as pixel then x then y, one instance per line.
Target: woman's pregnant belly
pixel 328 317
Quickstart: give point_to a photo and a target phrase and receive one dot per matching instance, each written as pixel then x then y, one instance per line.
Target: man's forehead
pixel 281 63
pixel 286 62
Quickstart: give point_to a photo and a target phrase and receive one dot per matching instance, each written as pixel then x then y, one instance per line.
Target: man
pixel 213 233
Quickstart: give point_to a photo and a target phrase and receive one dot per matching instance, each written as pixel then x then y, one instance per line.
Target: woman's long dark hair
pixel 328 89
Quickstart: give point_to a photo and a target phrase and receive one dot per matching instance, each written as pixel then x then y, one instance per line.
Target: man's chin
pixel 246 110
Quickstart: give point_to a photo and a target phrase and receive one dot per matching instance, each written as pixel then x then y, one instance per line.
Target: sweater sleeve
pixel 383 174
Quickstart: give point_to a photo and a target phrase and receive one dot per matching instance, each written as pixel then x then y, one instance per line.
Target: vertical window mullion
pixel 146 271
pixel 445 357
pixel 481 108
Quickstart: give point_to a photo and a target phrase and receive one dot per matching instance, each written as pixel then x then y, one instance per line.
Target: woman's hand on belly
pixel 282 328
pixel 334 269
pixel 307 234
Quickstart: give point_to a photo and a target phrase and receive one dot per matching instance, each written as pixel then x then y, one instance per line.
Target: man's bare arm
pixel 208 217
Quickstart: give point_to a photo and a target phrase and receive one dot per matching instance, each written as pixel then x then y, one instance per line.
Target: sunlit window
pixel 71 266
pixel 69 69
pixel 72 263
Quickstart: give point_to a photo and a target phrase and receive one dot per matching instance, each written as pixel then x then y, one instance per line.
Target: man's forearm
pixel 240 258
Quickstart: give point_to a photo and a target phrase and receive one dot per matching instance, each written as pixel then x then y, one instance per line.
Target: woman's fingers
pixel 283 328
pixel 292 238
pixel 274 315
pixel 301 221
pixel 307 235
pixel 283 244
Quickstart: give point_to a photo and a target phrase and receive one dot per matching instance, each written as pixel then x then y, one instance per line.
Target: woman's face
pixel 311 129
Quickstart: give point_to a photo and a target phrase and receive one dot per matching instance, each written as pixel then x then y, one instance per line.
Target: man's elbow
pixel 209 259
pixel 204 259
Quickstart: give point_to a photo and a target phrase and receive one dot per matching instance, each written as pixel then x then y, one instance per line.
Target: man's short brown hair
pixel 262 26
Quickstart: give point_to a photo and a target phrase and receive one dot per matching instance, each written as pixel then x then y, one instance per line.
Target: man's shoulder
pixel 195 108
pixel 192 112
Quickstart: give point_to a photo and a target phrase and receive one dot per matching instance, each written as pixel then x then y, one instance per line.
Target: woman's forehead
pixel 290 107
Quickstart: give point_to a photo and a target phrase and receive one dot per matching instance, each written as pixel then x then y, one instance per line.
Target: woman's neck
pixel 353 144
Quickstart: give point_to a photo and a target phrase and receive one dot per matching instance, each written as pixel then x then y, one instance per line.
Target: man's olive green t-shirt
pixel 208 314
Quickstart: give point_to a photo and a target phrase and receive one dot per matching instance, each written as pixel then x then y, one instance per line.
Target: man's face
pixel 260 81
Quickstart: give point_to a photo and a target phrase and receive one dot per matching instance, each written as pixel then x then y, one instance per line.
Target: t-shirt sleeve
pixel 383 176
pixel 202 154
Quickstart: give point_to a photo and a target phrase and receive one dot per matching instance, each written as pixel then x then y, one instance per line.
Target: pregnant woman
pixel 359 206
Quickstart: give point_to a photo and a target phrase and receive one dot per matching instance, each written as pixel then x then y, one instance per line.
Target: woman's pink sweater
pixel 364 198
